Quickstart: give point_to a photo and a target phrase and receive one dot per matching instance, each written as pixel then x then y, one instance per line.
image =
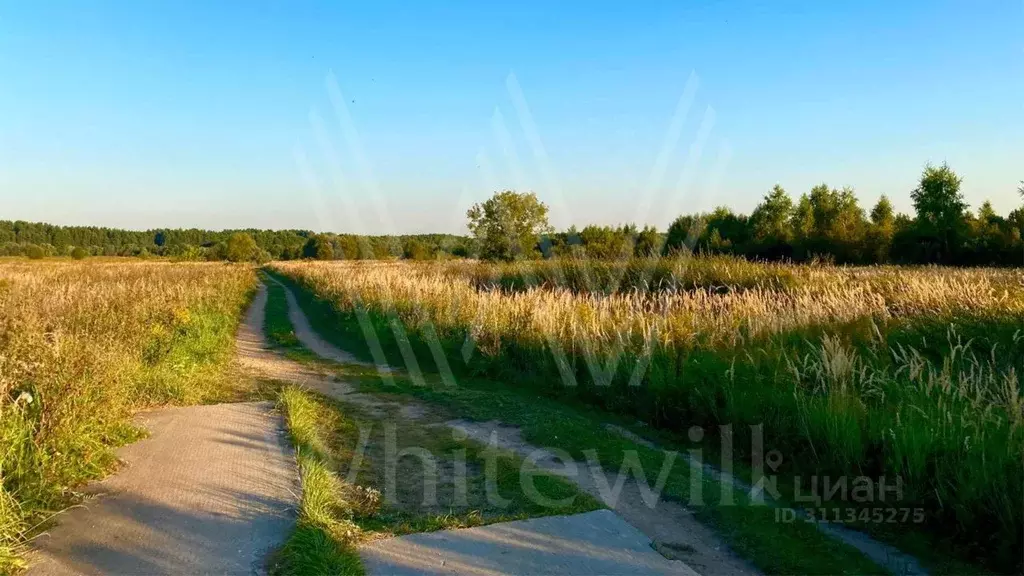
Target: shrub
pixel 79 253
pixel 416 250
pixel 189 253
pixel 241 248
pixel 318 248
pixel 218 251
pixel 34 252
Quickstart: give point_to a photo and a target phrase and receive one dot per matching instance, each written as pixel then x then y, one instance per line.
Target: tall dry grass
pixel 878 371
pixel 581 276
pixel 85 345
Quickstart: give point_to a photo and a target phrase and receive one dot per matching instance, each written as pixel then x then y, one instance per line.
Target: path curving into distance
pixel 617 541
pixel 212 490
pixel 670 526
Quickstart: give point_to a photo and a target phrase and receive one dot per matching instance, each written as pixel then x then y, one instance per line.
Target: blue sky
pixel 220 114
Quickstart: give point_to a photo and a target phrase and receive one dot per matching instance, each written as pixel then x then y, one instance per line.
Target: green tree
pixel 262 256
pixel 508 225
pixel 218 251
pixel 79 253
pixel 683 234
pixel 318 247
pixel 607 243
pixel 348 248
pixel 940 211
pixel 34 252
pixel 883 214
pixel 415 249
pixel 991 240
pixel 648 243
pixel 241 248
pixel 830 223
pixel 189 253
pixel 881 231
pixel 723 232
pixel 771 224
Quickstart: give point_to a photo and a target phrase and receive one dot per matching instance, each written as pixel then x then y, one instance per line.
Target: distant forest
pixel 825 224
pixel 18 238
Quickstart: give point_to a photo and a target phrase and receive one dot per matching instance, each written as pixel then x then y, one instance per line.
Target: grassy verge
pixel 323 542
pixel 752 531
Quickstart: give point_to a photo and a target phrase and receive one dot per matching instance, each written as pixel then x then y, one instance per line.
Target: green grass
pixel 278 327
pixel 322 541
pixel 752 531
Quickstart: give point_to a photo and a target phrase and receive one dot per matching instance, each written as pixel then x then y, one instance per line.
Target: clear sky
pixel 395 116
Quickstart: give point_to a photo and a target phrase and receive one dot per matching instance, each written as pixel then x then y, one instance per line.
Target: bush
pixel 416 250
pixel 218 251
pixel 262 256
pixel 241 248
pixel 189 253
pixel 34 252
pixel 79 253
pixel 318 248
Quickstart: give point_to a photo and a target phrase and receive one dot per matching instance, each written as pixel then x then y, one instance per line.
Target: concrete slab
pixel 597 542
pixel 211 491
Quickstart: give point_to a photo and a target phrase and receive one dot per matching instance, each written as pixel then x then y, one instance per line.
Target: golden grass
pixel 821 296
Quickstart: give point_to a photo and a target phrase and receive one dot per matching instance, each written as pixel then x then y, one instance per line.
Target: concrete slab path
pixel 213 490
pixel 597 542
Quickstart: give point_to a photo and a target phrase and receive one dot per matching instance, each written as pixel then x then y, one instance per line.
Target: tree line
pixel 829 223
pixel 824 224
pixel 38 240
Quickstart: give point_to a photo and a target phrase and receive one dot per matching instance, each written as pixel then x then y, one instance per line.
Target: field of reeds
pixel 83 346
pixel 882 372
pixel 582 276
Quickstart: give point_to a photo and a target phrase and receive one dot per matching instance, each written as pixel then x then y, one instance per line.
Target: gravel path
pixel 212 490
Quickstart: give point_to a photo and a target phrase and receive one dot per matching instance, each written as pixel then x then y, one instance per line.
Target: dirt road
pixel 669 527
